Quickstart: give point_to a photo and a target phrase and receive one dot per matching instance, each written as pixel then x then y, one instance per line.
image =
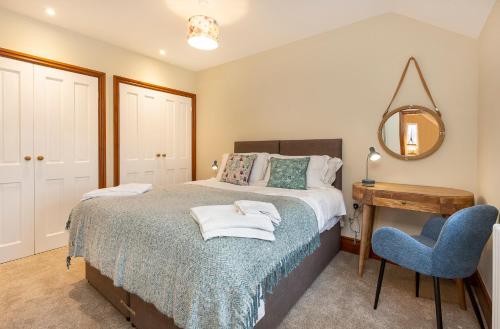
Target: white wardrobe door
pixel 66 149
pixel 155 136
pixel 140 153
pixel 16 173
pixel 176 139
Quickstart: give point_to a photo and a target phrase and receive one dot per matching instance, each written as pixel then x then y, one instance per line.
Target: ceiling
pixel 247 26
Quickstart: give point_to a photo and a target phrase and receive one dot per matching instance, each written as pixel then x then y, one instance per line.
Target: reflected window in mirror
pixel 411 139
pixel 411 132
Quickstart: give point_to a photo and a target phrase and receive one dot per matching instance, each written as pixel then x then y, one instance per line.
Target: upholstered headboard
pixel 331 147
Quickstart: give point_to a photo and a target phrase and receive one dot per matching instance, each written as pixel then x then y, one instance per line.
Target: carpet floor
pixel 38 292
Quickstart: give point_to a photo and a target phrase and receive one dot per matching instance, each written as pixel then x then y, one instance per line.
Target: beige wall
pixel 489 132
pixel 338 84
pixel 33 37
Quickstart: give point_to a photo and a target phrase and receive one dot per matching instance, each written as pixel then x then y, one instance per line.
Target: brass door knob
pixel 27 158
pixel 163 155
pixel 158 155
pixel 40 158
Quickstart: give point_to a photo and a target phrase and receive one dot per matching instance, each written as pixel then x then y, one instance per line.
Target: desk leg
pixel 461 294
pixel 366 235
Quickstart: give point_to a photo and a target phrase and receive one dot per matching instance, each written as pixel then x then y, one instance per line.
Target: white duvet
pixel 327 202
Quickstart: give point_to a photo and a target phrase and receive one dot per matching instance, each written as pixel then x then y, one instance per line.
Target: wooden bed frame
pixel 144 315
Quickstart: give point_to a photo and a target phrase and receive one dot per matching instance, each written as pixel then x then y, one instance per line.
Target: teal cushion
pixel 289 173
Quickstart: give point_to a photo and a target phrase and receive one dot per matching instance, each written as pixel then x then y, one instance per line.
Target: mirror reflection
pixel 412 132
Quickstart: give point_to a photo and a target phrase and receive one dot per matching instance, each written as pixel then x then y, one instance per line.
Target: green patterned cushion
pixel 238 169
pixel 289 173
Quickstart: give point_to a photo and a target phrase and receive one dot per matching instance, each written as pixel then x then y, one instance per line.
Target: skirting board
pixel 347 244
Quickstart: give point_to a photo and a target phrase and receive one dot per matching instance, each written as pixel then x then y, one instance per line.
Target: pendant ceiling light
pixel 203 32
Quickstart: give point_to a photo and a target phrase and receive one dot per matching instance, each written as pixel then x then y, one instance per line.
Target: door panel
pixel 167 139
pixel 183 139
pixel 140 152
pixel 149 132
pixel 131 104
pixel 66 136
pixel 155 136
pixel 82 138
pixel 16 173
pixel 177 140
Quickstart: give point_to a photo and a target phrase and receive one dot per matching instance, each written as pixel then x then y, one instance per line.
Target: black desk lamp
pixel 372 156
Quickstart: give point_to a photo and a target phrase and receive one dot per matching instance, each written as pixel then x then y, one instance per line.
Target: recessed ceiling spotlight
pixel 163 52
pixel 50 11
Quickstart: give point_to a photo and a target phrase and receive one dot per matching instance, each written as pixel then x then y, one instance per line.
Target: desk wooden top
pixel 434 199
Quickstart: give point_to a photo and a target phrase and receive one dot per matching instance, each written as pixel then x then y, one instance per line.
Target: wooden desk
pixel 437 200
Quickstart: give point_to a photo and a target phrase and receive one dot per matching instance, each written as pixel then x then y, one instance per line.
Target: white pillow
pixel 316 171
pixel 258 169
pixel 333 165
pixel 222 166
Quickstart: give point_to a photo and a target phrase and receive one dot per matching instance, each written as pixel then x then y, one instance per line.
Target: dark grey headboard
pixel 257 146
pixel 331 147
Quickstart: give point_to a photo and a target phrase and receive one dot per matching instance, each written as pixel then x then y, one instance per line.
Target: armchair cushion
pixel 425 240
pixel 433 227
pixel 400 248
pixel 431 230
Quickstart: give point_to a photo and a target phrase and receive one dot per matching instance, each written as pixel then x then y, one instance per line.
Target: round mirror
pixel 411 132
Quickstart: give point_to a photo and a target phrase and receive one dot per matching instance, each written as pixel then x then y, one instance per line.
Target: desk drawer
pixel 408 205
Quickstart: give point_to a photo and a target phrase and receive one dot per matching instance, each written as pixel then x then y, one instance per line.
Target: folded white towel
pixel 248 233
pixel 249 207
pixel 120 190
pixel 227 216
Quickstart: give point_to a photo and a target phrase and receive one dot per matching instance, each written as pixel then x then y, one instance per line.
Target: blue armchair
pixel 448 249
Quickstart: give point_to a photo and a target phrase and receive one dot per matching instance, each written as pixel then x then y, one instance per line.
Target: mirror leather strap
pixel 422 79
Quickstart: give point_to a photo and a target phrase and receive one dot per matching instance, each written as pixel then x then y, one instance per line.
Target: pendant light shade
pixel 203 32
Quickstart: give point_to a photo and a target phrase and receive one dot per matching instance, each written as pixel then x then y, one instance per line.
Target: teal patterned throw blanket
pixel 150 246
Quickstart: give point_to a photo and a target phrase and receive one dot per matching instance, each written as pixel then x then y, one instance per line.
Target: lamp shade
pixel 373 155
pixel 203 32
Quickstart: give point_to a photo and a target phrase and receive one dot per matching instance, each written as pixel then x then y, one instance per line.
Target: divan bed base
pixel 288 291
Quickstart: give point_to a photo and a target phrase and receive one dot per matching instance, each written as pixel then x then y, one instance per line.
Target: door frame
pixel 116 120
pixel 101 100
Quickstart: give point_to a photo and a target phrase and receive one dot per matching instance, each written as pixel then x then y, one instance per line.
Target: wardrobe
pixel 155 136
pixel 48 153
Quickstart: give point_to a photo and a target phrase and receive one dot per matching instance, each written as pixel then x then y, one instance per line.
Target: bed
pixel 288 290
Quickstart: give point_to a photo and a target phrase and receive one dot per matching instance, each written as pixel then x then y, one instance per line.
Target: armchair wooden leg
pixel 474 304
pixel 437 300
pixel 379 282
pixel 417 284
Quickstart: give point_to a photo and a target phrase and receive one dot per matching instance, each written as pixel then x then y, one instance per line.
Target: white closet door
pixel 66 149
pixel 176 139
pixel 16 172
pixel 155 136
pixel 139 129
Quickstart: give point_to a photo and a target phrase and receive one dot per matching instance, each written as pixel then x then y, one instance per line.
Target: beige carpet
pixel 38 292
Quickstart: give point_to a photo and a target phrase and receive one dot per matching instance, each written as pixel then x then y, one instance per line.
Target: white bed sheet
pixel 327 202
